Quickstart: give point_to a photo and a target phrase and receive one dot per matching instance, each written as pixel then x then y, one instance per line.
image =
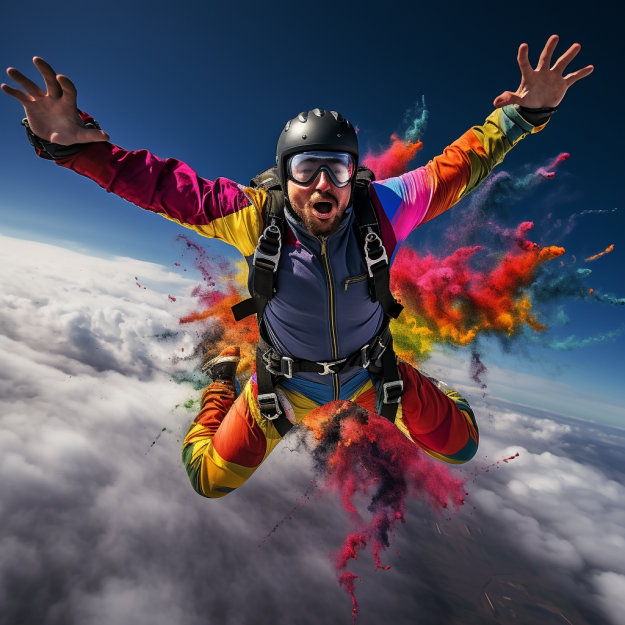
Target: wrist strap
pixel 544 109
pixel 54 151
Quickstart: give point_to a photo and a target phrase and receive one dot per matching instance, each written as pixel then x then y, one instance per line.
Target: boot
pixel 223 368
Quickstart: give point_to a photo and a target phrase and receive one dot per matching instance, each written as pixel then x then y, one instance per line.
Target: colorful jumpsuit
pixel 322 310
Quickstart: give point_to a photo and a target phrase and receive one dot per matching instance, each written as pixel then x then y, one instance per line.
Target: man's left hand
pixel 544 86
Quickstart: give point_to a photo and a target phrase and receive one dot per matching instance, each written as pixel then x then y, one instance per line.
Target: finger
pixel 69 90
pixel 27 83
pixel 17 94
pixel 547 53
pixel 566 58
pixel 579 74
pixel 507 97
pixel 49 76
pixel 523 59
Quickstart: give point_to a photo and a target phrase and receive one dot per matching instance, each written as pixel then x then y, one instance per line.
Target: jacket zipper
pixel 349 281
pixel 335 343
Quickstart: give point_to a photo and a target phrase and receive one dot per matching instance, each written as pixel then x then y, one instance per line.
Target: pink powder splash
pixel 549 170
pixel 394 160
pixel 356 451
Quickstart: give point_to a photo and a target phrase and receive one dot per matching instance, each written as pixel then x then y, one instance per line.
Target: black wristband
pixel 536 117
pixel 55 151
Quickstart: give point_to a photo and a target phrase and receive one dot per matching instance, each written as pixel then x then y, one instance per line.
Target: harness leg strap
pixel 268 401
pixel 392 385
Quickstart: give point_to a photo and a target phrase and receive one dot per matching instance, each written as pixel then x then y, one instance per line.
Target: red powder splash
pixel 171 298
pixel 202 261
pixel 452 302
pixel 358 452
pixel 394 160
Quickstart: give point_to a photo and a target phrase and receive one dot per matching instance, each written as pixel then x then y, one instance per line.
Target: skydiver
pixel 319 255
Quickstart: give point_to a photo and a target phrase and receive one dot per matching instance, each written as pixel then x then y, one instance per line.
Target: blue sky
pixel 212 85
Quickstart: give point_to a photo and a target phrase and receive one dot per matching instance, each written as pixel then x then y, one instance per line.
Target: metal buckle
pixel 326 366
pixel 394 396
pixel 266 358
pixel 264 403
pixel 286 364
pixel 364 357
pixel 272 258
pixel 286 367
pixel 378 349
pixel 370 238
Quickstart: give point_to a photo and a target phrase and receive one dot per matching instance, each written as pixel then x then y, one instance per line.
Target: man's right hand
pixel 52 116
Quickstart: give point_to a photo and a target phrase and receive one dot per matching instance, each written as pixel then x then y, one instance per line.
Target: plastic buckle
pixel 393 391
pixel 371 238
pixel 364 356
pixel 269 401
pixel 274 259
pixel 286 367
pixel 326 366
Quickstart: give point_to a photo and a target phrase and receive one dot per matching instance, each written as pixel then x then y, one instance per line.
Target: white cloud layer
pixel 98 527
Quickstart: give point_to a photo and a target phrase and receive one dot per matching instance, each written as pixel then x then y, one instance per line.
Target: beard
pixel 313 224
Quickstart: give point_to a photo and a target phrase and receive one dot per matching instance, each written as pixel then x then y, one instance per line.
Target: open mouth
pixel 323 207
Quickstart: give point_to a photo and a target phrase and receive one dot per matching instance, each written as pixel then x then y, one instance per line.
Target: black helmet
pixel 316 130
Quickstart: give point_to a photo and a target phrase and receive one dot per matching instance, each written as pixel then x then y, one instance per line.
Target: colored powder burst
pixel 478 369
pixel 492 201
pixel 357 451
pixel 553 284
pixel 600 254
pixel 215 306
pixel 447 301
pixel 417 118
pixel 572 220
pixel 393 161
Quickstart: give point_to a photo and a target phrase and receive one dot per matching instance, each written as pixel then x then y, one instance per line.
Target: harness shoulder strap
pixel 267 252
pixel 375 254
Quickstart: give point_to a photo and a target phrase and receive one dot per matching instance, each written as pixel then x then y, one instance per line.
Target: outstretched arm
pixel 418 196
pixel 221 209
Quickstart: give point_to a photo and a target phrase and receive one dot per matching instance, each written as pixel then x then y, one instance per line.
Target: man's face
pixel 320 205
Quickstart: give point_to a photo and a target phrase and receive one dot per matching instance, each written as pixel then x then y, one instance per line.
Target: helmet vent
pixel 288 125
pixel 337 116
pixel 303 117
pixel 319 112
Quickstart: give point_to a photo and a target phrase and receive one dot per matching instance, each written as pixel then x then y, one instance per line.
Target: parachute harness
pixel 377 355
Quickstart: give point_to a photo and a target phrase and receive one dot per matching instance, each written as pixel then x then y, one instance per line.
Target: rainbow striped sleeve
pixel 219 209
pixel 416 197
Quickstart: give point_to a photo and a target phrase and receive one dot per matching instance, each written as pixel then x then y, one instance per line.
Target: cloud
pixel 99 527
pixel 559 502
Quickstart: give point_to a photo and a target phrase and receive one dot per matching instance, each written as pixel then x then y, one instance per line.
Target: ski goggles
pixel 303 168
